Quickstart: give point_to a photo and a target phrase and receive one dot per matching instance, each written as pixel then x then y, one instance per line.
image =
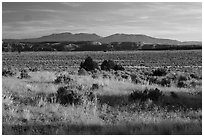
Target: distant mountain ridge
pixel 136 38
pixel 67 36
pixel 61 37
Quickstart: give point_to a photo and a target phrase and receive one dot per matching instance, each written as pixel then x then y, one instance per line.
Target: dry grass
pixel 112 113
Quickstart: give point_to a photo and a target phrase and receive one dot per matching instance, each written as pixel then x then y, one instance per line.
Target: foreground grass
pixel 112 113
pixel 57 119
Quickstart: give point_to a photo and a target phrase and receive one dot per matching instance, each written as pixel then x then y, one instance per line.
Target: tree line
pixel 90 46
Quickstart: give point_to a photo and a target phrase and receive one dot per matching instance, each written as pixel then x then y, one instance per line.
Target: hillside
pixel 69 37
pixel 60 37
pixel 136 38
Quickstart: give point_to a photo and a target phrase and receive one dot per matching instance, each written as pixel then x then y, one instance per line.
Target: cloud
pixel 144 17
pixel 8 11
pixel 71 4
pixel 43 10
pixel 167 20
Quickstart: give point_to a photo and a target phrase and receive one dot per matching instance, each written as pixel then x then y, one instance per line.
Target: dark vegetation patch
pixel 8 72
pixel 119 67
pixel 152 94
pixel 17 46
pixel 107 65
pixel 159 72
pixel 89 64
pixel 95 86
pixel 73 129
pixel 63 78
pixel 24 74
pixel 163 81
pixel 34 69
pixel 69 96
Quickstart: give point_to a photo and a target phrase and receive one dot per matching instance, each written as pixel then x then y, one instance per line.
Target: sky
pixel 179 21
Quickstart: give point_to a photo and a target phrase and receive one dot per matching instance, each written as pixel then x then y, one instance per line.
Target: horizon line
pixel 102 36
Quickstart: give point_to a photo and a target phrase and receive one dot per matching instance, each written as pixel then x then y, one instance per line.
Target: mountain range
pixel 67 36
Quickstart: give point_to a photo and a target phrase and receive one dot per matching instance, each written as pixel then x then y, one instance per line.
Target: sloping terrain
pixel 136 38
pixel 60 37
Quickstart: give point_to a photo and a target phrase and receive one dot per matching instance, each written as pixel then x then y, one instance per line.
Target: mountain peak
pixel 121 37
pixel 67 36
pixel 117 37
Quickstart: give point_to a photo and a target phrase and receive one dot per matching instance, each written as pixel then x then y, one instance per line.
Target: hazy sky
pixel 181 21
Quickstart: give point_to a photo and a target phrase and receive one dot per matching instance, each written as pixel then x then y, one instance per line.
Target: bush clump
pixel 138 95
pixel 152 94
pixel 182 77
pixel 63 78
pixel 152 79
pixel 68 96
pixel 135 78
pixel 24 74
pixel 107 65
pixel 89 64
pixel 159 72
pixel 118 67
pixel 33 69
pixel 173 95
pixel 8 72
pixel 195 76
pixel 164 82
pixel 181 84
pixel 95 86
pixel 181 80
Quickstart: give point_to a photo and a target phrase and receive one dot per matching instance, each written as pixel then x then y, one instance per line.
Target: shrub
pixel 63 78
pixel 125 76
pixel 181 84
pixel 164 82
pixel 159 72
pixel 24 74
pixel 135 78
pixel 194 76
pixel 33 69
pixel 89 64
pixel 95 86
pixel 135 95
pixel 152 94
pixel 107 65
pixel 182 77
pixel 193 84
pixel 118 67
pixel 152 79
pixel 174 95
pixel 171 76
pixel 8 72
pixel 68 96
